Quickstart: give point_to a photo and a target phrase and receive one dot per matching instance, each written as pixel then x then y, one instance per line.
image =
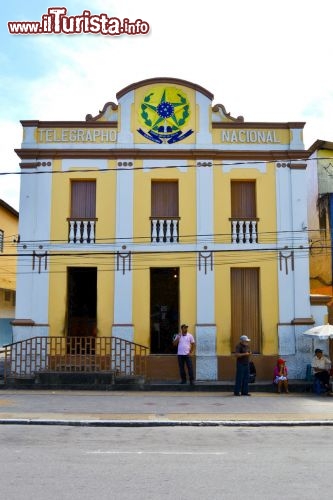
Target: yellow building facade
pixel 8 237
pixel 160 210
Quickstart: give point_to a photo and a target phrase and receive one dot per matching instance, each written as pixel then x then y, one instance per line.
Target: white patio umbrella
pixel 322 332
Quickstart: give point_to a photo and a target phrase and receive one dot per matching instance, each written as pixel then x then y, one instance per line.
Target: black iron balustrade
pixel 28 357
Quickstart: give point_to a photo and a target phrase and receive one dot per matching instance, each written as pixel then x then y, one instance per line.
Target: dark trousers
pixel 182 361
pixel 324 377
pixel 242 379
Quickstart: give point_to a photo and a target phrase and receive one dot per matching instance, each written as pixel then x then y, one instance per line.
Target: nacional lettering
pixel 250 136
pixel 98 135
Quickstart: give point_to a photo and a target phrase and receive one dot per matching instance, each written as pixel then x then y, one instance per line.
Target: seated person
pixel 321 366
pixel 280 375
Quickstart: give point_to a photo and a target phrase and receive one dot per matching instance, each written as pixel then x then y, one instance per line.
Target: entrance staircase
pixel 73 362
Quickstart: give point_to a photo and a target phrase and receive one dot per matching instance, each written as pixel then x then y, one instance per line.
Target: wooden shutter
pixel 83 199
pixel 164 199
pixel 243 200
pixel 245 307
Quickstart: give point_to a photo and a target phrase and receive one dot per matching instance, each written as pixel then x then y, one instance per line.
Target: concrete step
pixel 224 386
pixel 111 382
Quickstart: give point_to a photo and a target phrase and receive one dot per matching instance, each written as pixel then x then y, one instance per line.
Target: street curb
pixel 169 423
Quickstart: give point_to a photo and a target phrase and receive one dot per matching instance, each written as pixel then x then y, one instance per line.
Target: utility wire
pixel 211 238
pixel 127 169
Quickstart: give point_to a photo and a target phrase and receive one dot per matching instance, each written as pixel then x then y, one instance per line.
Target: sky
pixel 262 60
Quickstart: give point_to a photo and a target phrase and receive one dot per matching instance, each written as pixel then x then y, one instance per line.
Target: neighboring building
pixel 320 215
pixel 164 209
pixel 320 220
pixel 8 235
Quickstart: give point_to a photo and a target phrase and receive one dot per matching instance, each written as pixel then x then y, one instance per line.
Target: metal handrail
pixel 28 357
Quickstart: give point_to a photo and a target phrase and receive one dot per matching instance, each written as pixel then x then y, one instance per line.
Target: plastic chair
pixel 309 378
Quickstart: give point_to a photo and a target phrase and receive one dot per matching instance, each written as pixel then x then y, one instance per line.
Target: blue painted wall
pixel 6 332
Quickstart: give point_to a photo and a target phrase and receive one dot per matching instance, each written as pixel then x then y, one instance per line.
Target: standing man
pixel 321 366
pixel 185 342
pixel 242 354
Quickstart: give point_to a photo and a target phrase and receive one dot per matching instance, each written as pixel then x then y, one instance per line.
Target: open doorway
pixel 82 301
pixel 164 308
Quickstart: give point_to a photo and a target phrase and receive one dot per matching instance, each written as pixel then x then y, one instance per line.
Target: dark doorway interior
pixel 82 301
pixel 164 309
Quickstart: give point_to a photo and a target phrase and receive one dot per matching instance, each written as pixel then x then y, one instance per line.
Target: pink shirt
pixel 184 345
pixel 276 372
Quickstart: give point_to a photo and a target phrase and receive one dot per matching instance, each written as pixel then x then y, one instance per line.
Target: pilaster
pixel 123 277
pixel 206 359
pixel 33 259
pixel 293 258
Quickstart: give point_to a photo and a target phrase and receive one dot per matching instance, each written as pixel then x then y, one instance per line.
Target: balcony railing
pixel 165 229
pixel 244 231
pixel 28 357
pixel 81 230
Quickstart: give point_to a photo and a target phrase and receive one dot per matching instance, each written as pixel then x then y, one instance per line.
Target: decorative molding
pixel 41 256
pixel 291 165
pixel 303 321
pixel 320 300
pixel 204 163
pixel 68 124
pixel 207 261
pixel 219 108
pixel 164 80
pixel 285 258
pixel 23 322
pixel 44 164
pixel 33 164
pixel 112 105
pixel 180 154
pixel 125 164
pixel 260 166
pixel 73 165
pixel 122 258
pixel 27 322
pixel 282 164
pixel 122 324
pixel 261 125
pixel 297 166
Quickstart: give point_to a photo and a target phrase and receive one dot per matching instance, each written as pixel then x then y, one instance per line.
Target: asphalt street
pixel 176 463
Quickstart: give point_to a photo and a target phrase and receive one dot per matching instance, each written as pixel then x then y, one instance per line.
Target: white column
pixel 32 291
pixel 24 280
pixel 206 359
pixel 123 281
pixel 123 305
pixel 293 261
pixel 285 241
pixel 301 242
pixel 286 331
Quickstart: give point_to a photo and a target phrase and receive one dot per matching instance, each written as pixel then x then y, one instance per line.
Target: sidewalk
pixel 147 408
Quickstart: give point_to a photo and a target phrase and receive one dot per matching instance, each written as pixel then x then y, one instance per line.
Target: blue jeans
pixel 242 379
pixel 182 361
